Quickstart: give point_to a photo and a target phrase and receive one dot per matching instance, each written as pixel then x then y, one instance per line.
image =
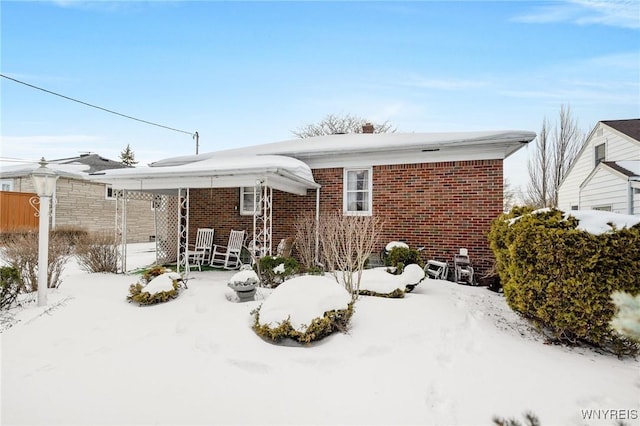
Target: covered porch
pixel 170 190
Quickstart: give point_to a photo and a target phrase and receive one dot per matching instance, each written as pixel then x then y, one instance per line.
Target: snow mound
pixel 378 280
pixel 161 283
pixel 394 244
pixel 248 275
pixel 597 222
pixel 302 299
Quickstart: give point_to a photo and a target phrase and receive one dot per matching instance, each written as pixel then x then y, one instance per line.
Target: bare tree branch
pixel 333 124
pixel 552 157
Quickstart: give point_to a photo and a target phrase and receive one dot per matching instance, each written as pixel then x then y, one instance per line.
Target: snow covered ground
pixel 445 354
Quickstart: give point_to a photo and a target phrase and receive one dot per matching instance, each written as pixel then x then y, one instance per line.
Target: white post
pixel 43 250
pixel 44 182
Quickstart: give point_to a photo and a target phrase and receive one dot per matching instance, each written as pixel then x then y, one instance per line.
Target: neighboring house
pixel 437 190
pixel 606 172
pixel 80 202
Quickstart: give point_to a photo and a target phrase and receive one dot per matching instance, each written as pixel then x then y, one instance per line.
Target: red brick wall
pixel 442 206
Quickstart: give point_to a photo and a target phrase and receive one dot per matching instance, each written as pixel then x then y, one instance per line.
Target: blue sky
pixel 243 73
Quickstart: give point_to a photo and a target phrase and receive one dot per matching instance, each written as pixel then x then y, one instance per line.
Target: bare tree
pixel 553 155
pixel 305 227
pixel 333 124
pixel 347 242
pixel 509 196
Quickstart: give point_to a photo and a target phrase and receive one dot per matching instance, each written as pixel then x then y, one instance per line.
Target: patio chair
pixel 285 247
pixel 437 270
pixel 200 252
pixel 462 269
pixel 228 256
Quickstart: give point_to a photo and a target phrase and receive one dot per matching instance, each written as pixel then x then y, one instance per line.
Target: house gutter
pixel 523 140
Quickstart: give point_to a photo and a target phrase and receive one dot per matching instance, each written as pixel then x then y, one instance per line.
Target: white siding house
pixel 606 172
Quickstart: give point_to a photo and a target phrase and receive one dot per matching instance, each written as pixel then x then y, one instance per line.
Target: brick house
pixel 81 202
pixel 438 190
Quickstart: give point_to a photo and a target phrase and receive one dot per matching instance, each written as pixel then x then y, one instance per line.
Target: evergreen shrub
pixel 10 283
pixel 141 297
pixel 271 272
pixel 399 257
pixel 561 278
pixel 336 320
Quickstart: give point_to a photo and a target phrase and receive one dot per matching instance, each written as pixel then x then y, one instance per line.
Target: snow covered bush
pixel 559 270
pixel 379 282
pixel 627 319
pixel 156 288
pixel 21 252
pixel 305 309
pixel 398 257
pixel 273 270
pixel 98 252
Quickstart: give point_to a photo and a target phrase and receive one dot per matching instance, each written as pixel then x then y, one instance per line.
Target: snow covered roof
pixel 73 168
pixel 365 143
pixel 73 171
pixel 279 172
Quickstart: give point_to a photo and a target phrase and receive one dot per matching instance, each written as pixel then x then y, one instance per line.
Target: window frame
pixel 346 191
pixel 106 192
pixel 599 159
pixel 245 190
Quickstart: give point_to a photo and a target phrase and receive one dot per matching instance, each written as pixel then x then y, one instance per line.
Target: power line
pixel 99 107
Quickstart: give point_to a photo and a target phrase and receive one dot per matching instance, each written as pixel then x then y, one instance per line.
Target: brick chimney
pixel 367 127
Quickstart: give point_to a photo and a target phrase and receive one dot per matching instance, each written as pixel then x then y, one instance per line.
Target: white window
pixel 109 193
pixel 600 153
pixel 603 208
pixel 358 194
pixel 248 198
pixel 6 185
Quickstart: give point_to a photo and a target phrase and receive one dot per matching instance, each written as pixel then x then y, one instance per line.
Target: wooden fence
pixel 16 212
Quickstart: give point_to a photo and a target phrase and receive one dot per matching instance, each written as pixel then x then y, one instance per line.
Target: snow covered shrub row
pixel 273 270
pixel 559 270
pixel 159 285
pixel 98 252
pixel 304 309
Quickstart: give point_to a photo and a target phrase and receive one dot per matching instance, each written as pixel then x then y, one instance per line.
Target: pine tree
pixel 127 157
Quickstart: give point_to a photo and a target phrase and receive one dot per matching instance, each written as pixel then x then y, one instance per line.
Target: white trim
pixel 368 191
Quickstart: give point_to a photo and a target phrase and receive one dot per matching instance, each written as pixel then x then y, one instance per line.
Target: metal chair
pixel 462 269
pixel 228 256
pixel 200 252
pixel 437 270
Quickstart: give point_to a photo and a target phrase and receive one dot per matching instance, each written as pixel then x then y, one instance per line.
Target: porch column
pixel 183 230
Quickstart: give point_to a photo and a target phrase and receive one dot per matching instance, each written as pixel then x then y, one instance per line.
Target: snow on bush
pixel 306 309
pixel 160 289
pixel 394 244
pixel 627 320
pixel 379 282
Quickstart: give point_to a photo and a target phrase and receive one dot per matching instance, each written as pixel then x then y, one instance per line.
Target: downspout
pixel 629 197
pixel 317 224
